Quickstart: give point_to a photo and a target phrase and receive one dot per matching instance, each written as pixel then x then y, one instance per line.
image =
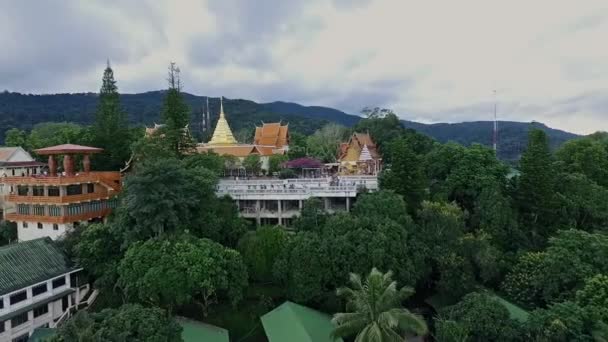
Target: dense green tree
pixel 484 317
pixel 312 215
pixel 111 130
pixel 374 311
pixel 260 249
pixel 15 137
pixel 315 261
pixel 8 232
pixel 171 273
pixel 56 133
pixel 98 249
pixel 209 160
pixel 128 323
pixel 450 331
pixel 524 283
pixel 594 297
pixel 275 161
pixel 571 257
pixel 324 143
pixel 588 156
pixel 302 267
pixel 536 189
pixel 163 196
pixel 495 215
pixel 583 203
pixel 405 175
pixel 382 205
pixel 382 124
pixel 253 164
pixel 297 145
pixel 176 114
pixel 476 170
pixel 560 322
pixel 440 225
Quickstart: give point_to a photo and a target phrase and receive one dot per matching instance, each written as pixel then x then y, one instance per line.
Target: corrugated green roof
pixel 30 262
pixel 296 323
pixel 194 331
pixel 42 334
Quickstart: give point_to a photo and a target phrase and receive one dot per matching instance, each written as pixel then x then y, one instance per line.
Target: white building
pixel 279 201
pixel 15 161
pixel 39 287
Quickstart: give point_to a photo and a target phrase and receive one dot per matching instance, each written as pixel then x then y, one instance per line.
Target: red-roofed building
pixel 52 203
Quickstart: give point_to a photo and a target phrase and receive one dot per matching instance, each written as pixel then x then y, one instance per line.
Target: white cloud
pixel 429 60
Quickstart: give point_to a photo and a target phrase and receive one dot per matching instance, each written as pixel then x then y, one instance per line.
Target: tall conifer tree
pixel 536 189
pixel 176 114
pixel 111 131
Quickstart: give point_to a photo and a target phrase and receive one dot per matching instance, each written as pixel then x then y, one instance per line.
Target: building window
pixel 19 319
pixel 38 191
pixel 24 224
pixel 39 225
pixel 23 209
pixel 58 282
pixel 55 226
pixel 1 303
pixel 74 189
pixel 22 190
pixel 41 310
pixel 2 327
pixel 54 210
pixel 38 210
pixel 40 289
pixel 18 297
pixel 22 338
pixel 53 191
pixel 90 188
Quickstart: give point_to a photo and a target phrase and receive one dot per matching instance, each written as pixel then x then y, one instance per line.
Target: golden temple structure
pixel 359 156
pixel 222 135
pixel 270 139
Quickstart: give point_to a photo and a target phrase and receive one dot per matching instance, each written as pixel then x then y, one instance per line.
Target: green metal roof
pixel 296 323
pixel 515 312
pixel 26 263
pixel 194 331
pixel 42 334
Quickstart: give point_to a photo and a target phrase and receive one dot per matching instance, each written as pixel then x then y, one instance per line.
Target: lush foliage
pixel 128 323
pixel 374 311
pixel 171 273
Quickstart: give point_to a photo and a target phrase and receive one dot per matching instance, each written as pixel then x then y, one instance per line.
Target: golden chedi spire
pixel 222 135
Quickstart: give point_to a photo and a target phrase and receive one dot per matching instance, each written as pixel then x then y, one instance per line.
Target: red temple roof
pixel 68 149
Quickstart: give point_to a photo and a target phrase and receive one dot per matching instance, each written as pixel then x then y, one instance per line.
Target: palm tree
pixel 375 312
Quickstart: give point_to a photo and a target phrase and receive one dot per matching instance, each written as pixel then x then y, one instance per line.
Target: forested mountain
pixel 23 111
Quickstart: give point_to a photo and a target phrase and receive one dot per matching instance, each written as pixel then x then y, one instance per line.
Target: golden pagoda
pixel 222 135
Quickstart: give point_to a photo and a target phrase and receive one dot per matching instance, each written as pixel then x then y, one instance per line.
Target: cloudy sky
pixel 430 61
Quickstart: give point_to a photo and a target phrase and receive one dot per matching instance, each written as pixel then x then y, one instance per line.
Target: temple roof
pixel 68 149
pixel 222 135
pixel 272 134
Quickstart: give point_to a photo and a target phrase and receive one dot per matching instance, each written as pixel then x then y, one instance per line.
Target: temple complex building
pixel 359 156
pixel 52 203
pixel 269 139
pixel 279 201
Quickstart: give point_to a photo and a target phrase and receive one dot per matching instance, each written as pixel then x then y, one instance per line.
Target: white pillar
pixel 347 203
pixel 280 212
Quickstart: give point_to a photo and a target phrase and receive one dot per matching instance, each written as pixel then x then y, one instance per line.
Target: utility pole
pixel 495 138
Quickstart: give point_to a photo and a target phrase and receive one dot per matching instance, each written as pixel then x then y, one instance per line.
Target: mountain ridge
pixel 25 110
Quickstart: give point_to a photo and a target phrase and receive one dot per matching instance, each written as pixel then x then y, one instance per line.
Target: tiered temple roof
pixel 272 134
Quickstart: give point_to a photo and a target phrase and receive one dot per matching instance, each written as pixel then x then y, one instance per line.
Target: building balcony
pixel 67 199
pixel 110 179
pixel 14 217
